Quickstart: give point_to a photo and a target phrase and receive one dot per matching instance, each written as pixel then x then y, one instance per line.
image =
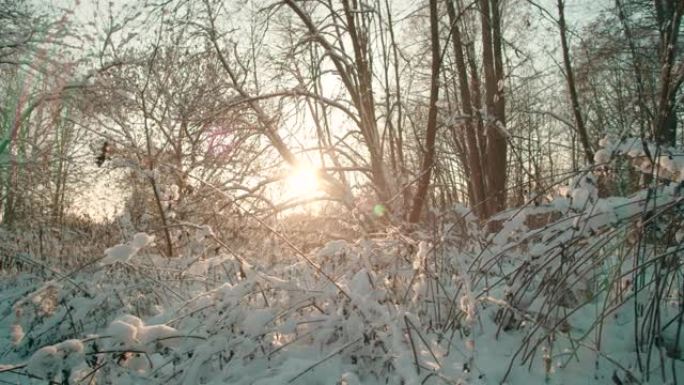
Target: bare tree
pixel 356 73
pixel 496 146
pixel 431 129
pixel 478 197
pixel 572 89
pixel 668 16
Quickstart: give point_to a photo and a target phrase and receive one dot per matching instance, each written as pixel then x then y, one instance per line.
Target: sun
pixel 302 182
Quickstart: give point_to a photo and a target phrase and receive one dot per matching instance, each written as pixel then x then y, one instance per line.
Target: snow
pixel 602 156
pixel 519 306
pixel 256 320
pixel 130 332
pixel 131 320
pixel 44 363
pixel 361 283
pixel 203 232
pixel 122 333
pixel 119 253
pixel 579 198
pixel 16 334
pixel 123 252
pixel 331 249
pixel 607 141
pixel 141 240
pixel 421 255
pixel 71 352
pixel 349 378
pixel 162 334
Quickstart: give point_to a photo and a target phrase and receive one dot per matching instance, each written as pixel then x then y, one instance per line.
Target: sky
pixel 578 14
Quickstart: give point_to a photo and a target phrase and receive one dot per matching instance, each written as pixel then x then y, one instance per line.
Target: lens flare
pixel 302 182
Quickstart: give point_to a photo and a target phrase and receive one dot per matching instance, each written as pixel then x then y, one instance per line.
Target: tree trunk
pixel 669 18
pixel 431 132
pixel 570 78
pixel 477 191
pixel 496 139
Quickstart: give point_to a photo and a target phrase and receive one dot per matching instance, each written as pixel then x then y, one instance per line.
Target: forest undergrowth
pixel 570 288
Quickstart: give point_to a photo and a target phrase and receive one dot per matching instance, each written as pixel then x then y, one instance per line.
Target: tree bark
pixel 570 78
pixel 431 132
pixel 496 140
pixel 477 191
pixel 669 18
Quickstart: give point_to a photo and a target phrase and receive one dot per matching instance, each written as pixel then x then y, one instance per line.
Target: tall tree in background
pixel 495 107
pixel 471 123
pixel 431 129
pixel 572 89
pixel 355 70
pixel 633 70
pixel 39 143
pixel 668 17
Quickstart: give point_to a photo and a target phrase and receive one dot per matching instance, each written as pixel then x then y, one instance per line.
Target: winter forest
pixel 342 192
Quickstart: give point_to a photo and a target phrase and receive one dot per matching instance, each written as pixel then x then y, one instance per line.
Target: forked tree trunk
pixel 476 192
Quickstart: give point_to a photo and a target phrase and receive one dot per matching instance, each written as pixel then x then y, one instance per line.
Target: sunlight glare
pixel 302 182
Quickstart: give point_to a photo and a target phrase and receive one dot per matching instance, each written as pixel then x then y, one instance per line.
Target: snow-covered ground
pixel 574 289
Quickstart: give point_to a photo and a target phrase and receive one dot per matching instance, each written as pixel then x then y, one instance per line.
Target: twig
pixel 413 345
pixel 331 355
